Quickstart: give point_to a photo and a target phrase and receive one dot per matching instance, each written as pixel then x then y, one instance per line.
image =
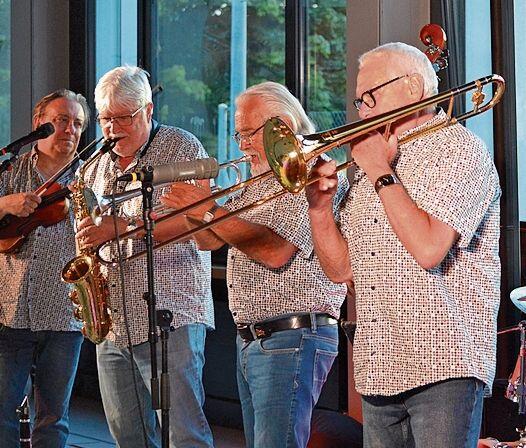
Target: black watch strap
pixel 385 180
pixel 210 214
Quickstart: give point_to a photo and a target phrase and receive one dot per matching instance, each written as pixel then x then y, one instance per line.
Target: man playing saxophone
pixel 123 99
pixel 419 237
pixel 36 316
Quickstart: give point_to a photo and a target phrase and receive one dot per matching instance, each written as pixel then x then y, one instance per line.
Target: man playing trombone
pixel 36 316
pixel 284 306
pixel 419 237
pixel 182 275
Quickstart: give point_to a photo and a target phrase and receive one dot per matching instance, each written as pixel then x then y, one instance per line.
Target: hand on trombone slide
pixel 91 235
pixel 182 194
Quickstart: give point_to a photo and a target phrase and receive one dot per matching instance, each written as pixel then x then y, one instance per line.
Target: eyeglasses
pixel 63 121
pixel 249 138
pixel 122 120
pixel 368 98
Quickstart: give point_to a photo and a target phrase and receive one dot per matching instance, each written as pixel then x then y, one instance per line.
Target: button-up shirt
pixel 182 272
pixel 256 292
pixel 418 326
pixel 33 295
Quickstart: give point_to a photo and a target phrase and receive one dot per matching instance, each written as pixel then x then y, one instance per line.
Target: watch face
pixel 384 181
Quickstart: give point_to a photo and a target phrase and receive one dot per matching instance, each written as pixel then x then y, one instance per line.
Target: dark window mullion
pixel 296 49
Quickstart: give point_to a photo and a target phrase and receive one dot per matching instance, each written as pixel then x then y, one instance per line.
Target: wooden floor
pixel 88 428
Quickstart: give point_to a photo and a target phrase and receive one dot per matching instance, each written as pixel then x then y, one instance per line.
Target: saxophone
pixel 90 294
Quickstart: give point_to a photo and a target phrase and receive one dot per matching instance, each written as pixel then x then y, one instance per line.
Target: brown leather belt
pixel 265 328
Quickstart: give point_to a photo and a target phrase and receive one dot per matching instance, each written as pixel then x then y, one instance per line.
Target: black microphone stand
pixel 163 317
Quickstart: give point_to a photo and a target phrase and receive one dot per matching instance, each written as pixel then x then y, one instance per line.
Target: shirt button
pixel 373 254
pixel 232 257
pixel 373 288
pixel 230 285
pixel 375 221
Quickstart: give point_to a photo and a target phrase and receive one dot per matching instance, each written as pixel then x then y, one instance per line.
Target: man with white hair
pixel 123 99
pixel 419 237
pixel 284 306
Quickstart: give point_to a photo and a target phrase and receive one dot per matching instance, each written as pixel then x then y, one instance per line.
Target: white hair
pixel 281 103
pixel 414 59
pixel 126 87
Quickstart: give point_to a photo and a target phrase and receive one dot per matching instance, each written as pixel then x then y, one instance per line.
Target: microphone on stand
pixel 178 171
pixel 10 152
pixel 43 131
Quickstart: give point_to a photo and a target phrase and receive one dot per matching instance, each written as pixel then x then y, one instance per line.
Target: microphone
pixel 43 131
pixel 178 171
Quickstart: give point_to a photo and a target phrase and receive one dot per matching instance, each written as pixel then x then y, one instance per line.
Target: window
pixel 478 62
pixel 116 41
pixel 5 72
pixel 327 69
pixel 205 53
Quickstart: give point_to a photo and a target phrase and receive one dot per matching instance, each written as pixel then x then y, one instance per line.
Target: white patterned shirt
pixel 417 326
pixel 33 295
pixel 256 292
pixel 182 272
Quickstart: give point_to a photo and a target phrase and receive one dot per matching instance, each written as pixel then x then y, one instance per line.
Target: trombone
pixel 289 155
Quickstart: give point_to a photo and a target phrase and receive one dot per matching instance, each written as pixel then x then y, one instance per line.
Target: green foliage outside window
pixel 191 46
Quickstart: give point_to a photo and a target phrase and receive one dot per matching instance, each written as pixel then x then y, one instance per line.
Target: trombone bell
pixel 285 155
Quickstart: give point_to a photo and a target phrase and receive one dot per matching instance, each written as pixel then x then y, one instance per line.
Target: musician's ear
pixel 149 111
pixel 416 86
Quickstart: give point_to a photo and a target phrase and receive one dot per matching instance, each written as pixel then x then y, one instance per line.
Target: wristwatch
pixel 385 180
pixel 209 215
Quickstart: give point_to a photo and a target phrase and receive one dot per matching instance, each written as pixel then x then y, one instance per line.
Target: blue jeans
pixel 444 414
pixel 279 380
pixel 188 425
pixel 55 355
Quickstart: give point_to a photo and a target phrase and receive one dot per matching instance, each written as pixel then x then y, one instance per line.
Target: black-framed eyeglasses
pixel 122 120
pixel 249 138
pixel 368 98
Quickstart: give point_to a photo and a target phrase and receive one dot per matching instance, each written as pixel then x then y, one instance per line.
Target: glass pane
pixel 520 67
pixel 478 62
pixel 5 72
pixel 326 82
pixel 116 34
pixel 205 53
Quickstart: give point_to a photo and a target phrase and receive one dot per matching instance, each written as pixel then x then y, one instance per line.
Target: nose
pixel 244 144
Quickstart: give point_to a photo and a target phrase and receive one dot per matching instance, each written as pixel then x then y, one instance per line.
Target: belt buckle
pixel 259 333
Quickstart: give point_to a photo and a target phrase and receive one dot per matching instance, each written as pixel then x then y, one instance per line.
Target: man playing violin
pixel 284 306
pixel 36 316
pixel 419 237
pixel 123 98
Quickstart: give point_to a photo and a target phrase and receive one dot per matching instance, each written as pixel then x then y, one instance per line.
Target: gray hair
pixel 414 59
pixel 40 108
pixel 281 102
pixel 126 87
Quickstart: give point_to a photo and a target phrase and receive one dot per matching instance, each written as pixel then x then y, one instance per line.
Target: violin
pixel 52 209
pixel 434 38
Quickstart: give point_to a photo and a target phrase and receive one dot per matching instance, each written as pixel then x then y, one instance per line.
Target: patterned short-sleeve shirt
pixel 182 272
pixel 256 292
pixel 33 294
pixel 418 326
